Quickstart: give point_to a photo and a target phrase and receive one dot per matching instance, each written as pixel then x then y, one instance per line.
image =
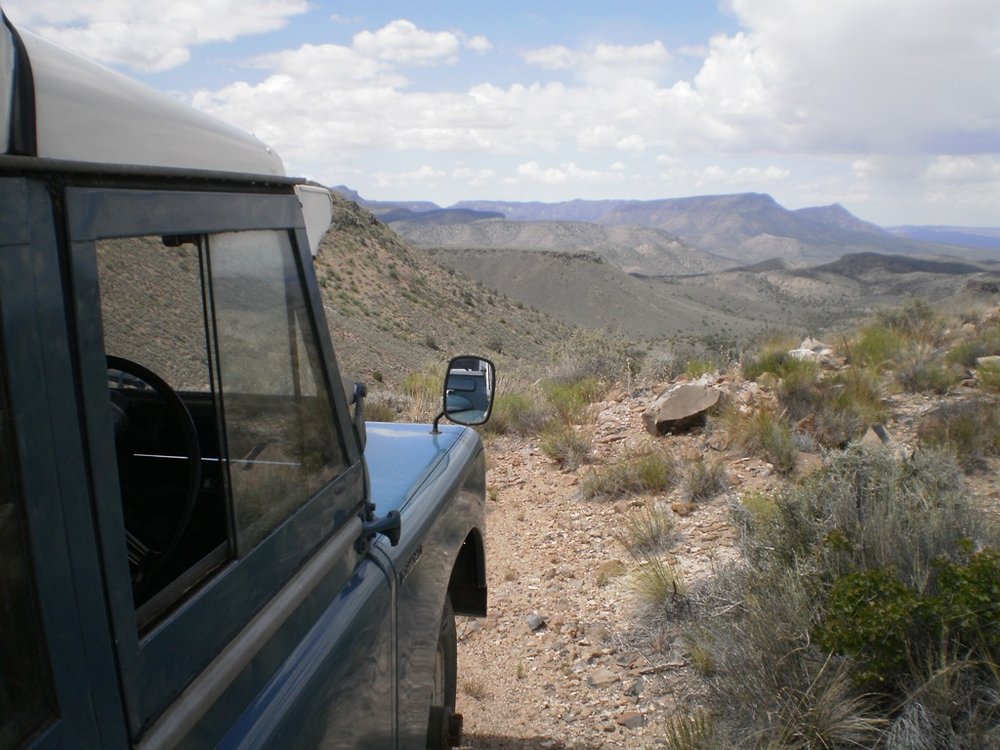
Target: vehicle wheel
pixel 444 726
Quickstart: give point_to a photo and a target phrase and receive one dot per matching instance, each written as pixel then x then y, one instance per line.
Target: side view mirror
pixel 469 388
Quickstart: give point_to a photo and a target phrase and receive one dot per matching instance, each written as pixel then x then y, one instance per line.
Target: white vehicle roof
pixel 84 112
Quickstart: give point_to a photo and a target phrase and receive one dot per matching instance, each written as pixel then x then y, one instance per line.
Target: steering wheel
pixel 145 561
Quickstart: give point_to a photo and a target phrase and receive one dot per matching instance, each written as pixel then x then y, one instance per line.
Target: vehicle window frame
pixel 154 667
pixel 53 477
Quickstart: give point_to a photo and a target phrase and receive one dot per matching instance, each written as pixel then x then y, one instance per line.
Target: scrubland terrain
pixel 775 577
pixel 779 575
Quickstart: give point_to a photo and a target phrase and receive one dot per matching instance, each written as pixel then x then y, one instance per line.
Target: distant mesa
pixel 707 233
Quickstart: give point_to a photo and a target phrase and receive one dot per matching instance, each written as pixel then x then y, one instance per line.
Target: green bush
pixel 888 626
pixel 872 616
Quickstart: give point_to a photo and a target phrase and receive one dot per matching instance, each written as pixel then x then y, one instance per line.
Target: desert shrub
pixel 657 584
pixel 864 390
pixel 767 436
pixel 876 345
pixel 770 360
pixel 695 368
pixel 379 410
pixel 970 429
pixel 518 414
pixel 696 732
pixel 989 377
pixel 570 399
pixel 800 389
pixel 888 626
pixel 649 471
pixel 875 571
pixel 565 445
pixel 965 353
pixel 423 386
pixel 915 320
pixel 593 355
pixel 646 531
pixel 833 408
pixel 704 478
pixel 875 618
pixel 921 373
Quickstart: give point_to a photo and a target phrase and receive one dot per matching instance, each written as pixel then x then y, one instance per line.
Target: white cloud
pixel 900 94
pixel 858 75
pixel 402 42
pixel 477 43
pixel 964 169
pixel 149 36
pixel 570 172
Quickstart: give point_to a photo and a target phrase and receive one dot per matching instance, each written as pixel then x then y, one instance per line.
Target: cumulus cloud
pixel 403 42
pixel 149 36
pixel 895 92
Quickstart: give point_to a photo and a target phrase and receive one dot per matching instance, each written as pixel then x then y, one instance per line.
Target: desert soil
pixel 566 657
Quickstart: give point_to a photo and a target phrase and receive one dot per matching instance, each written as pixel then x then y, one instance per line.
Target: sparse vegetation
pixel 570 399
pixel 764 434
pixel 705 478
pixel 518 414
pixel 565 445
pixel 970 429
pixel 854 604
pixel 657 584
pixel 647 531
pixel 650 471
pixel 864 610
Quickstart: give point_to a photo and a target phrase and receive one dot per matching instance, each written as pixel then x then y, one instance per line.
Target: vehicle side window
pixel 278 413
pixel 26 694
pixel 221 413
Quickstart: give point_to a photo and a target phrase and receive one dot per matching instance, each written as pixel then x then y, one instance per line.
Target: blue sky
pixel 890 107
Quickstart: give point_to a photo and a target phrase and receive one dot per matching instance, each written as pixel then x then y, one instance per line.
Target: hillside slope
pixel 392 310
pixel 633 249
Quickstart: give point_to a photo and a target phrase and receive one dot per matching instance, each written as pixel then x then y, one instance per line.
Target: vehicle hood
pixel 402 457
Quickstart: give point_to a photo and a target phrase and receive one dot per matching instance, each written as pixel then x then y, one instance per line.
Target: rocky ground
pixel 567 657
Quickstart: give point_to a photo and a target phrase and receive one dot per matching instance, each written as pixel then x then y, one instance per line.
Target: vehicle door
pixel 227 495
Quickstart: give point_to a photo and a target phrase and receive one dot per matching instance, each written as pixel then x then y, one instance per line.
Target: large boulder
pixel 680 407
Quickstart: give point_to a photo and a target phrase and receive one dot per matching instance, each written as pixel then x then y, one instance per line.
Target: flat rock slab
pixel 680 408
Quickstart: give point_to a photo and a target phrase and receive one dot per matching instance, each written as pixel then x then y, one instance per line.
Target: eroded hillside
pixel 391 310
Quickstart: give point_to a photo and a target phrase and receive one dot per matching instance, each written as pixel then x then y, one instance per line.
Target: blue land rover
pixel 202 542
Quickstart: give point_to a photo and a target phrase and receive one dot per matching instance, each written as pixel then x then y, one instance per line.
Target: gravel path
pixel 565 658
